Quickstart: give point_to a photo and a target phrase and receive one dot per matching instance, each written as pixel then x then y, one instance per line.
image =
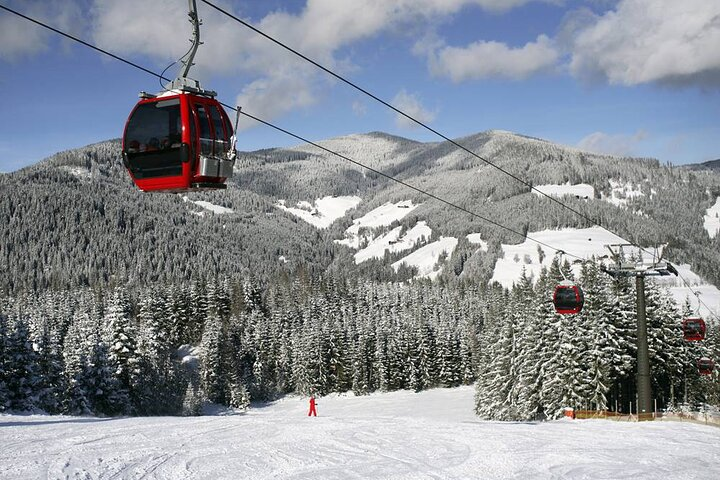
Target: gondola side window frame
pixel 206 138
pixel 152 140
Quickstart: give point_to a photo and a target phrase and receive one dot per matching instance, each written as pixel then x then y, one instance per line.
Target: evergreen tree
pixel 21 375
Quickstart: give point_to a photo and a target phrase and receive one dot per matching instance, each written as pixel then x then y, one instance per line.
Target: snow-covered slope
pixel 712 219
pixel 324 211
pixel 394 242
pixel 525 256
pixel 581 190
pixel 426 258
pixel 620 193
pixel 210 207
pixel 381 216
pixel 400 435
pixel 586 243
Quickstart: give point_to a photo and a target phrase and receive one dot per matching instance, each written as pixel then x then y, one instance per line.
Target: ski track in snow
pixel 399 435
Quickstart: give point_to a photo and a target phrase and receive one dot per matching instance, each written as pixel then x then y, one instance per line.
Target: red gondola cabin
pixel 705 366
pixel 568 298
pixel 693 329
pixel 178 141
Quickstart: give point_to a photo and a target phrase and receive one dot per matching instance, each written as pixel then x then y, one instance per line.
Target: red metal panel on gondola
pixel 694 329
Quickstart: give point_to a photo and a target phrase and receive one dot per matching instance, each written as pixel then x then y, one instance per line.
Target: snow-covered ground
pixel 80 172
pixel 426 257
pixel 476 238
pixel 712 219
pixel 210 207
pixel 325 210
pixel 581 190
pixel 393 242
pixel 381 216
pixel 585 243
pixel 400 435
pixel 620 193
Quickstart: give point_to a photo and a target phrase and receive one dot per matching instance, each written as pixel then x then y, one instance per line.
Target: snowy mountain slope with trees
pixel 105 225
pixel 394 241
pixel 427 258
pixel 712 219
pixel 580 190
pixel 104 283
pixel 324 211
pixel 398 435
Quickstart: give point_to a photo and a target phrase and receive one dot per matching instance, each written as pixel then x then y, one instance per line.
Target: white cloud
pixel 20 38
pixel 620 144
pixel 359 108
pixel 494 59
pixel 272 96
pixel 411 105
pixel 642 41
pixel 276 82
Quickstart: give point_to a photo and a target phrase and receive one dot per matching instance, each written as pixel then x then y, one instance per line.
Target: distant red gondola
pixel 705 366
pixel 693 329
pixel 568 298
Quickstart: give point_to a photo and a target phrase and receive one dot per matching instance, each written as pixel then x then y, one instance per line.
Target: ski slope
pixel 400 435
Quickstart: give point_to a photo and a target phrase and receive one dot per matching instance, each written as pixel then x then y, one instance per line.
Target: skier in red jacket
pixel 313 410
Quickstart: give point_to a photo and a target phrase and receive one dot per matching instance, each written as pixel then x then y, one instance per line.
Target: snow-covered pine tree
pixel 105 392
pixel 21 375
pixel 211 371
pixel 4 363
pixel 600 332
pixel 122 355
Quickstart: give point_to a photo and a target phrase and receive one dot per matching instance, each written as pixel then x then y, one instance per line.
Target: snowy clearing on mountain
pixel 381 216
pixel 393 242
pixel 712 219
pixel 581 190
pixel 586 243
pixel 210 207
pixel 621 193
pixel 426 258
pixel 399 435
pixel 325 210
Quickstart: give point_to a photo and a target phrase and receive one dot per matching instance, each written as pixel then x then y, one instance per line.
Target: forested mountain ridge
pixel 123 302
pixel 709 165
pixel 75 219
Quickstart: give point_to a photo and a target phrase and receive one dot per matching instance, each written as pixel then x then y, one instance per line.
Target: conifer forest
pixel 169 350
pixel 114 302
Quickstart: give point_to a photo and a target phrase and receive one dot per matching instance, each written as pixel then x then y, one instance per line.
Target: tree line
pixel 171 349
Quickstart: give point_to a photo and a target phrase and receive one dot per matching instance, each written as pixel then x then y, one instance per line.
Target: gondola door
pixel 211 131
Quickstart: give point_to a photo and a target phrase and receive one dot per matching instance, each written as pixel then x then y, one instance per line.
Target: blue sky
pixel 630 77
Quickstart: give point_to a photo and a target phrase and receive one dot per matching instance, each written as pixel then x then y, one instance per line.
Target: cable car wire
pixel 420 123
pixel 398 111
pixel 301 138
pixel 287 132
